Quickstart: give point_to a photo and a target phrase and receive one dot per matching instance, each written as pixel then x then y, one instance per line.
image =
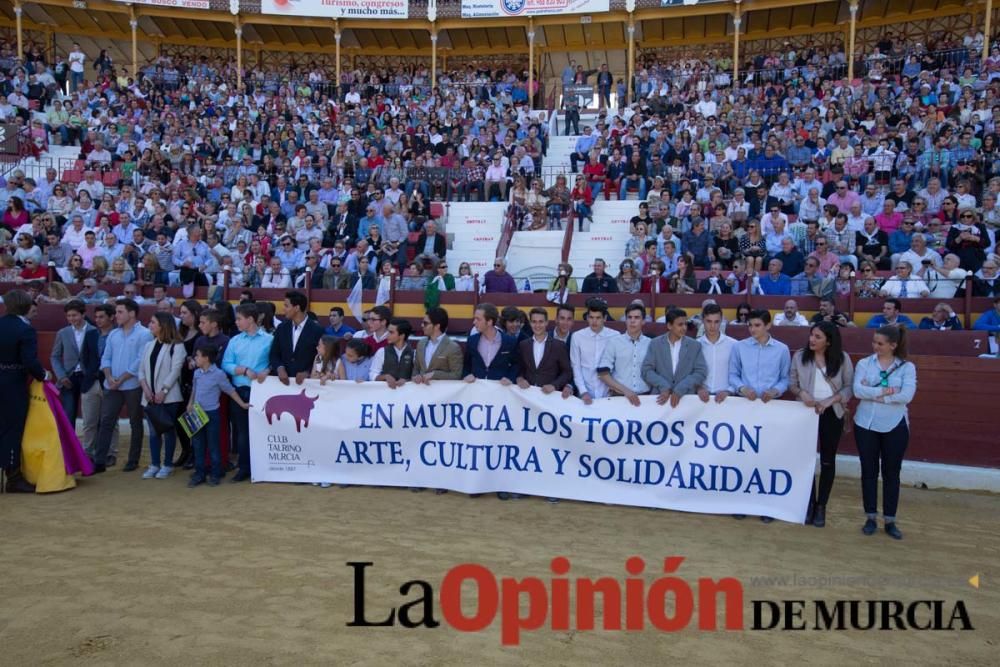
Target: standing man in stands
pixel 120 365
pixel 295 340
pixel 246 359
pixel 674 366
pixel 393 364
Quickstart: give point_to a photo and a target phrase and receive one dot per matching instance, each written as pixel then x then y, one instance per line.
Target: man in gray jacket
pixel 75 359
pixel 674 365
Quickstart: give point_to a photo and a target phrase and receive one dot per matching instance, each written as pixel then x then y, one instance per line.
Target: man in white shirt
pixel 791 317
pixel 585 352
pixel 76 62
pixel 904 285
pixel 716 348
pixel 621 363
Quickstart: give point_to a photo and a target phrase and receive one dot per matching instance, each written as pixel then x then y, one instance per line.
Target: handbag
pixel 161 416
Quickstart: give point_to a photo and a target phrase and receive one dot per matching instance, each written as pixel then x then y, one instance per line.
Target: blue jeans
pixel 595 188
pixel 627 183
pixel 75 79
pixel 157 442
pixel 208 437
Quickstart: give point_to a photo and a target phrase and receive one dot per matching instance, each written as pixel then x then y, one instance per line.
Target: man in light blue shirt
pixel 759 365
pixel 581 151
pixel 120 365
pixel 247 358
pixel 192 252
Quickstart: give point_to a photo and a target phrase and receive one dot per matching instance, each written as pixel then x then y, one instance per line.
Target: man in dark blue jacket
pixel 489 353
pixel 18 362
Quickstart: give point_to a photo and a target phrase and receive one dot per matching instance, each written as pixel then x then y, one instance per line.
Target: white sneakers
pixel 156 472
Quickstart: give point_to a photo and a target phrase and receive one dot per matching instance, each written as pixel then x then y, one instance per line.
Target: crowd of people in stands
pixel 792 181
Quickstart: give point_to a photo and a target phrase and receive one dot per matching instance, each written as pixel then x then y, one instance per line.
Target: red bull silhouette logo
pixel 299 406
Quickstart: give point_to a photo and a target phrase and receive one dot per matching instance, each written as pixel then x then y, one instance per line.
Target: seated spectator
pixel 872 245
pixel 599 282
pixel 810 282
pixel 498 280
pixel 774 281
pixel 990 320
pixel 792 260
pixel 629 280
pixel 904 285
pixel 655 281
pixel 791 316
pixel 714 283
pixel 413 278
pixel 986 281
pixel 828 313
pixel 892 314
pixel 942 318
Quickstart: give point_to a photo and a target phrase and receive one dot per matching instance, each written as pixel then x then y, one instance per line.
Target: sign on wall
pixel 476 9
pixel 339 9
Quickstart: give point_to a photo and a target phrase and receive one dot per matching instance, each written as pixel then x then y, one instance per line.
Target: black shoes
pixel 98 468
pixel 129 467
pixel 819 516
pixel 870 527
pixel 240 477
pixel 892 531
pixel 810 512
pixel 18 484
pixel 766 519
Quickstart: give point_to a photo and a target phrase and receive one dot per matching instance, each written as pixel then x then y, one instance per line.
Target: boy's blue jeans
pixel 207 437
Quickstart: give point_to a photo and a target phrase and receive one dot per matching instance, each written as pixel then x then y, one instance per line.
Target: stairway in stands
pixel 606 238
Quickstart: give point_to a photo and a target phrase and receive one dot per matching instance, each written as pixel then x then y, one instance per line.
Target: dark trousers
pixel 241 427
pixel 69 397
pixel 830 429
pixel 111 406
pixel 572 121
pixel 208 438
pixel 881 450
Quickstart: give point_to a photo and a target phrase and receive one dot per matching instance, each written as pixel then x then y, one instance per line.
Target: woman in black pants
pixel 821 377
pixel 886 383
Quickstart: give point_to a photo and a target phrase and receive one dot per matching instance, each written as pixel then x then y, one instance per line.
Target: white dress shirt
pixel 585 350
pixel 538 349
pixel 717 359
pixel 297 332
pixel 675 353
pixel 430 349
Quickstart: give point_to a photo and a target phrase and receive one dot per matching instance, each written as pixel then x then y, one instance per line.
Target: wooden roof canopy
pixel 656 26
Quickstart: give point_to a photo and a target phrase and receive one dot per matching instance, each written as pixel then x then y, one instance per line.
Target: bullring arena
pixel 369 166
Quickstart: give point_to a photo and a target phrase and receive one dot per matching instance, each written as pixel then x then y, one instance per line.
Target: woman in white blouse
pixel 821 376
pixel 886 383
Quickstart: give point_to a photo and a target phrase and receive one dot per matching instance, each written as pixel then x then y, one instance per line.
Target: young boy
pixel 210 382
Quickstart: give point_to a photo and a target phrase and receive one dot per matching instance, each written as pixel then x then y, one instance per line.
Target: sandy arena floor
pixel 123 571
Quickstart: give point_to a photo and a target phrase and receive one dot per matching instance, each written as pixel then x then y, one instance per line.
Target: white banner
pixel 477 9
pixel 739 457
pixel 183 4
pixel 339 9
